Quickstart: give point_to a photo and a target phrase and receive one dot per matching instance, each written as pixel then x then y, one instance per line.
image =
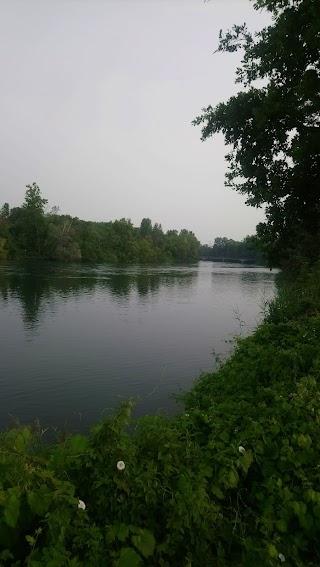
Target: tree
pixel 145 228
pixel 182 247
pixel 61 242
pixel 274 129
pixel 4 230
pixel 33 199
pixel 5 211
pixel 124 243
pixel 33 224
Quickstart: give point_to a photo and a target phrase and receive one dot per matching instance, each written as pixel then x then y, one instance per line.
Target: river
pixel 76 339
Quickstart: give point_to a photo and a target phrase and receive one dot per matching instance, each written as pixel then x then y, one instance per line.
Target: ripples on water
pixel 76 339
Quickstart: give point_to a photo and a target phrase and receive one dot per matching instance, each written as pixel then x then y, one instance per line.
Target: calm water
pixel 75 339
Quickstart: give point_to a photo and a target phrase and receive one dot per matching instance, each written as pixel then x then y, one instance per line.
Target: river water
pixel 76 339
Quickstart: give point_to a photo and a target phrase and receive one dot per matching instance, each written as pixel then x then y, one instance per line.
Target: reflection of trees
pixel 19 284
pixel 119 285
pixel 251 284
pixel 241 276
pixel 35 284
pixel 146 283
pixel 254 277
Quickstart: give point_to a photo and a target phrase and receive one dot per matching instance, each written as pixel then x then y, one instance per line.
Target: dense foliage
pixel 227 249
pixel 234 480
pixel 30 232
pixel 273 127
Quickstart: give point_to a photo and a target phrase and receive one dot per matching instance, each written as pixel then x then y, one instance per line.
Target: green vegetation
pixel 234 480
pixel 226 249
pixel 29 232
pixel 274 129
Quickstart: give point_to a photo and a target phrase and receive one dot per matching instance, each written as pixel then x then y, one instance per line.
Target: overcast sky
pixel 96 103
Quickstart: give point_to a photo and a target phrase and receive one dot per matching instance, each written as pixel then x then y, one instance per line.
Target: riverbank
pixel 234 480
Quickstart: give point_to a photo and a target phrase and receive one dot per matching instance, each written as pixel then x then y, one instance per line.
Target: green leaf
pixel 296 508
pixel 145 543
pixel 111 534
pixel 233 478
pixel 281 525
pixel 303 508
pixel 12 507
pixel 78 444
pixel 122 532
pixel 272 551
pixel 217 492
pixel 30 539
pixel 129 558
pixel 40 500
pixel 225 437
pixel 19 442
pixel 246 461
pixel 25 432
pixel 303 441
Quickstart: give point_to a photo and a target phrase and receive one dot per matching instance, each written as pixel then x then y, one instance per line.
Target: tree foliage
pixel 227 249
pixel 273 126
pixel 29 232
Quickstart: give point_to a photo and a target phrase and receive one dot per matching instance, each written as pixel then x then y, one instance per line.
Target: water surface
pixel 75 339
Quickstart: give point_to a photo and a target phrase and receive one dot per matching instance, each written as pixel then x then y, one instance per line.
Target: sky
pixel 96 103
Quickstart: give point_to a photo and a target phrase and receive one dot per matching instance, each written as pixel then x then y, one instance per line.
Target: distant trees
pixel 182 245
pixel 27 225
pixel 31 232
pixel 5 211
pixel 62 242
pixel 4 230
pixel 146 228
pixel 35 226
pixel 228 249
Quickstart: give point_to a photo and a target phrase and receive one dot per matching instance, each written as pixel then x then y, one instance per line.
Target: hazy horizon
pixel 97 101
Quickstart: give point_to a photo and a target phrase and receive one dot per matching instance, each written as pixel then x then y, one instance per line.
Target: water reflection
pixel 250 285
pixel 35 286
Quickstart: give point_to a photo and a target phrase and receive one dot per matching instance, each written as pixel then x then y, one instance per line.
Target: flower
pixel 241 449
pixel 120 465
pixel 281 557
pixel 81 505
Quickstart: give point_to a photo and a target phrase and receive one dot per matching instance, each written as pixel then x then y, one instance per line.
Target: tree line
pixel 29 232
pixel 227 249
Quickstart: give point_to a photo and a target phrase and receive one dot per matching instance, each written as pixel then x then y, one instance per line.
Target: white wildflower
pixel 120 465
pixel 241 449
pixel 281 557
pixel 81 505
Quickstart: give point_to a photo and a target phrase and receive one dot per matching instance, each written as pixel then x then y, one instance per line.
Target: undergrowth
pixel 234 480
